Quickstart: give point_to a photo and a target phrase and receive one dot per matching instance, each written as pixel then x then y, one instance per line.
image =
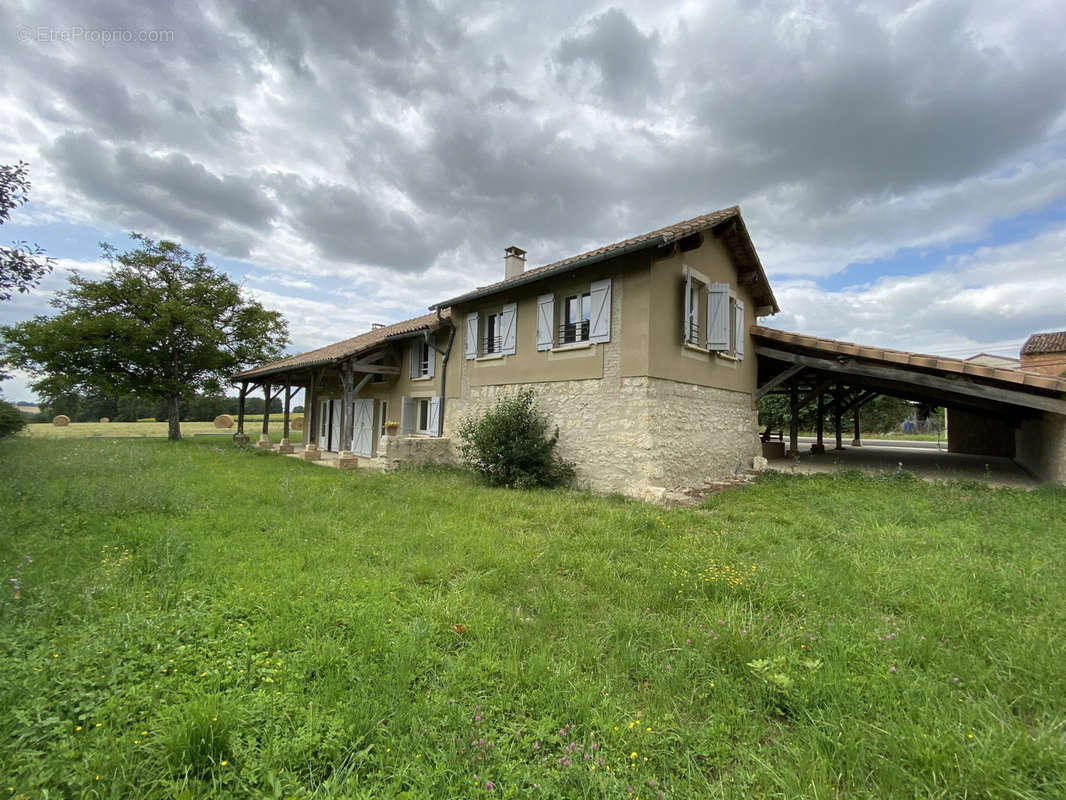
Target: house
pixel 1045 353
pixel 638 351
pixel 648 356
pixel 991 360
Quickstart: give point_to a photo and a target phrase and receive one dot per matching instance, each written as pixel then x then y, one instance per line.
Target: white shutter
pixel 741 329
pixel 432 358
pixel 718 316
pixel 545 321
pixel 434 416
pixel 407 415
pixel 415 368
pixel 471 335
pixel 687 288
pixel 507 328
pixel 600 327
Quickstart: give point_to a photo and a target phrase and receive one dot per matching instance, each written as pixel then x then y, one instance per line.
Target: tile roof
pixel 1045 343
pixel 347 348
pixel 656 238
pixel 834 347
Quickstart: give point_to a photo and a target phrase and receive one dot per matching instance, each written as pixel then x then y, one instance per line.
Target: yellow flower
pixel 223 763
pixel 632 755
pixel 78 728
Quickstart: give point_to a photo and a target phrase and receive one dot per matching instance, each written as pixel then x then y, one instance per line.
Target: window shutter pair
pixel 416 359
pixel 718 316
pixel 408 415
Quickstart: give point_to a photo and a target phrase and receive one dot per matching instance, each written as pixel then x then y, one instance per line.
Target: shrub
pixel 509 446
pixel 11 419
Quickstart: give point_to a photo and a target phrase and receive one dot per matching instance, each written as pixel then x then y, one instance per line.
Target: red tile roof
pixel 1045 343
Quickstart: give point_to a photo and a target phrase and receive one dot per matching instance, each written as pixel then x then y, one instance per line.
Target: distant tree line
pixel 130 407
pixel 881 415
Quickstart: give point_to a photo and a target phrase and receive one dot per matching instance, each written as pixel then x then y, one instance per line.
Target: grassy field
pixel 253 425
pixel 192 620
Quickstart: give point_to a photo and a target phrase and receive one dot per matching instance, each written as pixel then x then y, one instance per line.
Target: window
pixel 423 415
pixel 725 330
pixel 491 333
pixel 582 317
pixel 694 290
pixel 384 415
pixel 422 359
pixel 577 310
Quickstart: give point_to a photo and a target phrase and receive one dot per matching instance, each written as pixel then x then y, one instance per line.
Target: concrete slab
pixel 925 462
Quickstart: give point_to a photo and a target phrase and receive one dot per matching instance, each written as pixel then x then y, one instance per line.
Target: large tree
pixel 162 323
pixel 23 264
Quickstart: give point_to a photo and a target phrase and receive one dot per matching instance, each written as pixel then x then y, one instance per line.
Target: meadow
pixel 253 425
pixel 196 620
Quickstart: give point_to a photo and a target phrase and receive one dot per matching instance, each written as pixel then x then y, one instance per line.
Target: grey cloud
pixel 623 56
pixel 166 193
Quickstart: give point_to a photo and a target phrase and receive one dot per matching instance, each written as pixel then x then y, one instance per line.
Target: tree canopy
pixel 162 323
pixel 23 265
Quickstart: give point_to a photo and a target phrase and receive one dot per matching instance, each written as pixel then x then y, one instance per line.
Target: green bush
pixel 11 419
pixel 509 446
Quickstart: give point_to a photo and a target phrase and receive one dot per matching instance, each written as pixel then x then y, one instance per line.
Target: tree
pixel 162 324
pixel 23 265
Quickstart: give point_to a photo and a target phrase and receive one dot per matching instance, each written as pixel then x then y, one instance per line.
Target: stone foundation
pixel 643 437
pixel 396 452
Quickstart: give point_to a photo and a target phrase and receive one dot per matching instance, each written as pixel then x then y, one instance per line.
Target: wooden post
pixel 857 441
pixel 819 445
pixel 793 421
pixel 239 437
pixel 264 437
pixel 286 445
pixel 838 401
pixel 344 447
pixel 311 421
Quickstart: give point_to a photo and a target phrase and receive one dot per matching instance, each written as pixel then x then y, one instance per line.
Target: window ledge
pixel 727 357
pixel 423 378
pixel 697 348
pixel 573 346
pixel 490 357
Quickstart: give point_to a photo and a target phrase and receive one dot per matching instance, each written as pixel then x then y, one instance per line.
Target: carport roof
pixel 925 374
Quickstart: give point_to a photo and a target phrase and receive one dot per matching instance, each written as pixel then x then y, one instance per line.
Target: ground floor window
pixel 423 415
pixel 384 415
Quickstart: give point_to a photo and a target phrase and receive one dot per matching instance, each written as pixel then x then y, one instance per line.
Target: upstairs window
pixel 491 333
pixel 423 359
pixel 577 312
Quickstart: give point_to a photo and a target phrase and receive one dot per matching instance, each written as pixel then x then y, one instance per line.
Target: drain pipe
pixel 445 354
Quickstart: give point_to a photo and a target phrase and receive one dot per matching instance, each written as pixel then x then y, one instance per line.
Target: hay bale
pixel 61 420
pixel 223 421
pixel 105 419
pixel 296 424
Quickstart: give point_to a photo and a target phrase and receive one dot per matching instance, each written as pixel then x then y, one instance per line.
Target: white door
pixel 335 436
pixel 363 428
pixel 323 424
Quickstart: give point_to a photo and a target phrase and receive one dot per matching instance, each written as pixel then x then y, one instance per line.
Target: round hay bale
pixel 296 423
pixel 105 419
pixel 61 420
pixel 223 421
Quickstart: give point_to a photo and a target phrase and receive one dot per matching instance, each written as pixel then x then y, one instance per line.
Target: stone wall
pixel 395 452
pixel 1041 447
pixel 984 436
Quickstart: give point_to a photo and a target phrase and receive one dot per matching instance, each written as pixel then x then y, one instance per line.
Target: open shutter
pixel 686 287
pixel 407 415
pixel 471 335
pixel 718 316
pixel 432 359
pixel 434 416
pixel 507 328
pixel 741 329
pixel 545 321
pixel 600 327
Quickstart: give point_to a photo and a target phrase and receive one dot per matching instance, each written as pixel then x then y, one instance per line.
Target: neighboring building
pixel 638 351
pixel 989 360
pixel 1045 353
pixel 28 409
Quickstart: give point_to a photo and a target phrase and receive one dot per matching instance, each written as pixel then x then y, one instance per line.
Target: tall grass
pixel 201 621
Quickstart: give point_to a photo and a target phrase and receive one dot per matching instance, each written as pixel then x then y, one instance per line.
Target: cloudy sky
pixel 901 166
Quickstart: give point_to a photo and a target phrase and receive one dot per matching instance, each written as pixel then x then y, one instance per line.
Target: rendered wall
pixel 1041 447
pixel 1053 364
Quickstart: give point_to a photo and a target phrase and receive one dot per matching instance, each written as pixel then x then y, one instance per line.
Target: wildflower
pixel 893 670
pixel 223 763
pixel 632 755
pixel 489 786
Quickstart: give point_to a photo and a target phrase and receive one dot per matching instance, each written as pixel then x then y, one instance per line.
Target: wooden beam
pixel 816 392
pixel 820 422
pixel 240 408
pixel 346 408
pixel 266 412
pixel 838 401
pixel 793 420
pixel 956 385
pixel 285 423
pixel 777 380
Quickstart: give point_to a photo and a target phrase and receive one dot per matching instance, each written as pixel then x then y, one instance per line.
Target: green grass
pixel 202 621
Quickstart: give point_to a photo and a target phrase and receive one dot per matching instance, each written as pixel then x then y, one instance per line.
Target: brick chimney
pixel 514 262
